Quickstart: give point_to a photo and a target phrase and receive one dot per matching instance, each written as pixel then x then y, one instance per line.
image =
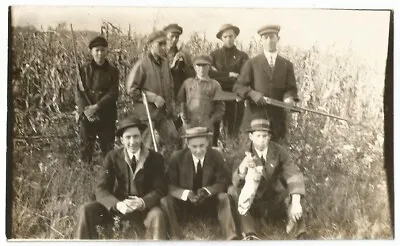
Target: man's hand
pixel 261 102
pixel 289 101
pixel 136 203
pixel 177 57
pixel 296 211
pixel 202 194
pixel 123 208
pixel 233 75
pixel 90 112
pixel 159 102
pixel 192 197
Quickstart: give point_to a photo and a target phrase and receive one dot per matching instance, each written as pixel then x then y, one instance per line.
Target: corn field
pixel 343 163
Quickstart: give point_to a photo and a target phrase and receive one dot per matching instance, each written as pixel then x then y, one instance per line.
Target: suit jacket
pixel 116 182
pixel 224 65
pixel 102 87
pixel 181 172
pixel 279 173
pixel 257 80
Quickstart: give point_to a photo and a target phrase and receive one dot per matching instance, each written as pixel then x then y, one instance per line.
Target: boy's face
pixel 260 139
pixel 202 70
pixel 198 146
pixel 228 38
pixel 132 139
pixel 99 54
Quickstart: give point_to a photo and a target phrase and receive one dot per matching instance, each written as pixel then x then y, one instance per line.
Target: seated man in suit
pixel 267 184
pixel 197 184
pixel 131 186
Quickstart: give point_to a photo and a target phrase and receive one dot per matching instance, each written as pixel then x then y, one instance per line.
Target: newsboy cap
pixel 202 59
pixel 129 122
pixel 198 131
pixel 156 36
pixel 173 28
pixel 226 27
pixel 269 29
pixel 98 41
pixel 259 124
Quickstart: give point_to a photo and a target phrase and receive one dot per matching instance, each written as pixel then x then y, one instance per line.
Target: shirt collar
pixel 156 60
pixel 136 154
pixel 196 160
pixel 262 153
pixel 96 66
pixel 269 54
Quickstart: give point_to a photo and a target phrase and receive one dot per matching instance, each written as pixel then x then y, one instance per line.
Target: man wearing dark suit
pixel 131 186
pixel 227 63
pixel 197 184
pixel 267 184
pixel 270 75
pixel 100 82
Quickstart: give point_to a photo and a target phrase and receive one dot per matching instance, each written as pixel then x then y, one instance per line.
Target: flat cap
pixel 98 41
pixel 259 124
pixel 157 36
pixel 198 131
pixel 269 29
pixel 173 28
pixel 202 59
pixel 226 27
pixel 129 122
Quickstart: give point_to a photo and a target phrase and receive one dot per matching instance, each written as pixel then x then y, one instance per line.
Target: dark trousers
pixel 219 203
pixel 272 205
pixel 231 120
pixel 95 214
pixel 104 129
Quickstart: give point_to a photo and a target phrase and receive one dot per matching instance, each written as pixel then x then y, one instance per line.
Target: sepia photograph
pixel 195 123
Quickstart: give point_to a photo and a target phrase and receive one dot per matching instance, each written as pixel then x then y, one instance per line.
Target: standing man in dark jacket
pixel 227 63
pixel 271 75
pixel 98 115
pixel 197 184
pixel 152 75
pixel 131 186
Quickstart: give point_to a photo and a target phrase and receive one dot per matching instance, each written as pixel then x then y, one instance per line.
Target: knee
pixel 156 213
pixel 223 198
pixel 166 201
pixel 232 191
pixel 154 217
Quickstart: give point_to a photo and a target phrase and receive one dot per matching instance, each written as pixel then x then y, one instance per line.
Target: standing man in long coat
pixel 271 75
pixel 227 63
pixel 152 75
pixel 97 110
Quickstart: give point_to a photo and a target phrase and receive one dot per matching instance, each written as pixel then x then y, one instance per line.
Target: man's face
pixel 202 70
pixel 99 54
pixel 270 41
pixel 260 139
pixel 172 38
pixel 198 146
pixel 228 38
pixel 131 139
pixel 159 48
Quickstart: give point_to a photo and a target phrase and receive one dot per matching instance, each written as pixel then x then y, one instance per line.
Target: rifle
pixel 146 105
pixel 79 79
pixel 230 96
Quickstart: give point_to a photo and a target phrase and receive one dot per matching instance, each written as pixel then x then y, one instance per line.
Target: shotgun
pixel 146 105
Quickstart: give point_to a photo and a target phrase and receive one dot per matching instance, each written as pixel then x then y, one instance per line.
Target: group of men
pixel 191 177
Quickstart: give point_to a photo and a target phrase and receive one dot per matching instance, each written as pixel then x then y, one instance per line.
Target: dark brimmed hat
pixel 269 29
pixel 198 131
pixel 202 59
pixel 259 124
pixel 157 36
pixel 173 28
pixel 225 27
pixel 129 122
pixel 98 41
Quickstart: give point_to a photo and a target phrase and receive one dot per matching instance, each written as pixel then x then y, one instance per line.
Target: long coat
pixel 116 183
pixel 258 78
pixel 102 87
pixel 279 173
pixel 181 172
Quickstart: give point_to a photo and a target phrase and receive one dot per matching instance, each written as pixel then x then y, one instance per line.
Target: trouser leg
pixel 225 216
pixel 216 133
pixel 92 215
pixel 106 136
pixel 170 206
pixel 155 224
pixel 87 134
pixel 168 134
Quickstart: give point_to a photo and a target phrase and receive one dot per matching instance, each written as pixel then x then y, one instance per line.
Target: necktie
pixel 262 160
pixel 133 164
pixel 199 176
pixel 271 62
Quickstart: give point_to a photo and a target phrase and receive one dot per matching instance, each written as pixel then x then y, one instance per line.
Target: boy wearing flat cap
pixel 197 185
pixel 196 97
pixel 152 75
pixel 130 187
pixel 227 63
pixel 96 103
pixel 270 75
pixel 267 184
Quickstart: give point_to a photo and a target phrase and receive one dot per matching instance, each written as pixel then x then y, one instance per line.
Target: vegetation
pixel 343 164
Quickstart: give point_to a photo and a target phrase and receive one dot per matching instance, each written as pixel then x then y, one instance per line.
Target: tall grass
pixel 343 163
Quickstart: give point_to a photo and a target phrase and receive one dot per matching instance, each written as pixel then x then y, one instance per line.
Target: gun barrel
pixel 146 105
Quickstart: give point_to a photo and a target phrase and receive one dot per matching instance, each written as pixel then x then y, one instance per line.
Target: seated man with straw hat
pixel 267 184
pixel 197 184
